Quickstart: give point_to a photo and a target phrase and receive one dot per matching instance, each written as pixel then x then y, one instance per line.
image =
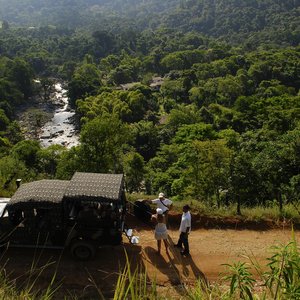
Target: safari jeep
pixel 81 214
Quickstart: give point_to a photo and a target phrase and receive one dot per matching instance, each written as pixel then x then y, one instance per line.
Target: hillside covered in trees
pixel 233 20
pixel 222 125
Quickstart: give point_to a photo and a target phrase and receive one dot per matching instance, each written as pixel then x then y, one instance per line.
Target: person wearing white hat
pixel 161 231
pixel 164 204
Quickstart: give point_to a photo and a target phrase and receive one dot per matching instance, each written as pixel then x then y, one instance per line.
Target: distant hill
pixel 235 21
pixel 75 13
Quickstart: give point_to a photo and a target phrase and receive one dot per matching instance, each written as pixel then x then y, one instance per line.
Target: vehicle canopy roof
pixel 46 191
pixel 96 187
pixel 83 186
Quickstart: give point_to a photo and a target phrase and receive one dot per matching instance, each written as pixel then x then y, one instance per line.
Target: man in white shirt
pixel 164 204
pixel 185 228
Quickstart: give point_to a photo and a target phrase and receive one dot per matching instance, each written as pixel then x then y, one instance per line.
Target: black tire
pixel 83 250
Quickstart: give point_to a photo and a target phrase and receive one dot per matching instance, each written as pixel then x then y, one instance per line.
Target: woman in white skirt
pixel 161 231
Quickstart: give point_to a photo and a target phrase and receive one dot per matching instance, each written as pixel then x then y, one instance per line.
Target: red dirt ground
pixel 210 248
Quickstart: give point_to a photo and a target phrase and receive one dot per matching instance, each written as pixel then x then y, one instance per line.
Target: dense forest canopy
pixel 197 98
pixel 232 20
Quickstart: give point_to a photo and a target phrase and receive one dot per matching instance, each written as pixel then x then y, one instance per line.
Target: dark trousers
pixel 184 239
pixel 166 214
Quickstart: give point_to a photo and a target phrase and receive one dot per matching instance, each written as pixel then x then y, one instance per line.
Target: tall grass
pixel 205 291
pixel 257 213
pixel 28 282
pixel 134 284
pixel 281 280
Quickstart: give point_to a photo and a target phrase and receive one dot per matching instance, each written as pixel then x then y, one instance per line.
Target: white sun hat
pixel 161 195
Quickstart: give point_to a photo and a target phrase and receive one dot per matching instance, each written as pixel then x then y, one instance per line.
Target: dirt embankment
pixel 238 223
pixel 214 222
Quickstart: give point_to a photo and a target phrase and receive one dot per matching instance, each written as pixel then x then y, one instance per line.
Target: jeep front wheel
pixel 83 250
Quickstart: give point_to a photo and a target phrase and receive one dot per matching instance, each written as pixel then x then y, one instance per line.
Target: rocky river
pixel 61 128
pixel 51 121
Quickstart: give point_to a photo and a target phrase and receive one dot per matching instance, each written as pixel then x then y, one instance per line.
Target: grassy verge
pixel 289 214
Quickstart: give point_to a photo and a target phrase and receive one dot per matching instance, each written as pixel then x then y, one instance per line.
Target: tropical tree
pixel 134 169
pixel 4 121
pixel 208 169
pixel 84 82
pixel 27 152
pixel 146 139
pixel 20 72
pixel 103 142
pixel 242 180
pixel 11 169
pixel 49 157
pixel 69 163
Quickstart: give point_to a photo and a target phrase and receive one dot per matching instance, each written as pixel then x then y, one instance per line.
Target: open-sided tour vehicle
pixel 81 214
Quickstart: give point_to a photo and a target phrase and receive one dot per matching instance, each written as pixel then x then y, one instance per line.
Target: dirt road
pixel 209 250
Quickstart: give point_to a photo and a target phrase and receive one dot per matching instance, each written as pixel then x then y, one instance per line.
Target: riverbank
pixel 49 120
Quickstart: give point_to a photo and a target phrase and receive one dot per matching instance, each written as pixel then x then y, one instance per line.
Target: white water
pixel 60 130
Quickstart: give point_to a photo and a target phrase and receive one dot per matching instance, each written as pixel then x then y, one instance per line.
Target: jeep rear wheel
pixel 83 250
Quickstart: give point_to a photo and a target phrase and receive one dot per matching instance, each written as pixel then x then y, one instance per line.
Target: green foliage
pixel 48 158
pixel 10 170
pixel 183 59
pixel 280 281
pixel 241 281
pixel 209 168
pixel 19 72
pixel 27 152
pixel 146 138
pixel 13 132
pixel 191 132
pixel 68 164
pixel 283 277
pixel 177 85
pixel 130 106
pixel 222 129
pixel 104 105
pixel 85 81
pixel 103 141
pixel 16 81
pixel 134 168
pixel 132 284
pixel 4 121
pixel 158 176
pixel 230 71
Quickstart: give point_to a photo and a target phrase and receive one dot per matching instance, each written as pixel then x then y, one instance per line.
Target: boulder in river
pixel 46 135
